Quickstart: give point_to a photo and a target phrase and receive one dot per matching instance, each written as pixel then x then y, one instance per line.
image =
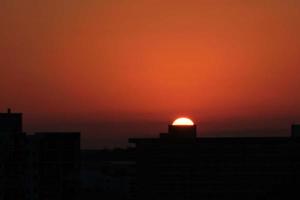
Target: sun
pixel 183 121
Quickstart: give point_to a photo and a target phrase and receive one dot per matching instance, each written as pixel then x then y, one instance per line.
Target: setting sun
pixel 183 121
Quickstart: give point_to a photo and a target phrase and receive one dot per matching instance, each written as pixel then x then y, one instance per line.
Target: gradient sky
pixel 119 68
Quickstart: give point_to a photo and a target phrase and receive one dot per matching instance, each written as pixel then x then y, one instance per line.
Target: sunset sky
pixel 115 69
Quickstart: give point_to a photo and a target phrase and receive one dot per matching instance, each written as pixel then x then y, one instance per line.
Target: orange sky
pixel 97 64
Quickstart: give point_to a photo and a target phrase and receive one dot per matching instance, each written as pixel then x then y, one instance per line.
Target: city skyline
pixel 137 129
pixel 149 99
pixel 177 164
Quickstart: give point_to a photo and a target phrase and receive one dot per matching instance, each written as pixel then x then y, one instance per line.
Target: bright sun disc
pixel 183 121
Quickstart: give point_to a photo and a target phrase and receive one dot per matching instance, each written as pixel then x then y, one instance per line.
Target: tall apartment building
pixel 12 157
pixel 180 166
pixel 37 167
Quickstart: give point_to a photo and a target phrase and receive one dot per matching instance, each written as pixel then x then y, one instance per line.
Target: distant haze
pixel 116 69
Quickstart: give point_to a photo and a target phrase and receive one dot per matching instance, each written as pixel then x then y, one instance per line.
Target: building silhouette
pixel 37 167
pixel 295 130
pixel 55 165
pixel 12 157
pixel 178 165
pixel 107 174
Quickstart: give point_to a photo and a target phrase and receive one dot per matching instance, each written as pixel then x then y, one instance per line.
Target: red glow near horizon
pixel 219 61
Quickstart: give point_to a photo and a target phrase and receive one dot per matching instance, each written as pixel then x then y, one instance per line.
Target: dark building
pixel 107 174
pixel 12 157
pixel 295 130
pixel 40 166
pixel 11 122
pixel 178 165
pixel 55 166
